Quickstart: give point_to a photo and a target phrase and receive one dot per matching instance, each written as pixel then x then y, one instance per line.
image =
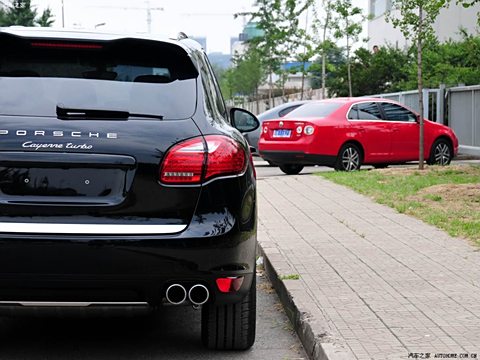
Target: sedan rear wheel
pixel 291 169
pixel 349 158
pixel 441 153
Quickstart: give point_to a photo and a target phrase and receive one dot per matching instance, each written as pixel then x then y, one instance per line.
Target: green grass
pixel 450 208
pixel 290 277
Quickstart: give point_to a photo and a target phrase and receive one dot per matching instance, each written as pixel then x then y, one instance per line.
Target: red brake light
pixel 225 157
pixel 66 45
pixel 184 162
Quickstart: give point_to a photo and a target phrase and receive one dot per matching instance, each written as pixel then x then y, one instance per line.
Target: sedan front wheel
pixel 441 153
pixel 349 158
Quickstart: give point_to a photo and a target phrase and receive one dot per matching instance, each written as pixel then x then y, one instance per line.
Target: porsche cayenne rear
pixel 123 181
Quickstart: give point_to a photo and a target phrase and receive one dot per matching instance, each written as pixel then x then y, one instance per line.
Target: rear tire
pixel 349 158
pixel 291 169
pixel 441 153
pixel 232 326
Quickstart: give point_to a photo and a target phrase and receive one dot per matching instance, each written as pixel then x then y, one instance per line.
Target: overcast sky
pixel 210 18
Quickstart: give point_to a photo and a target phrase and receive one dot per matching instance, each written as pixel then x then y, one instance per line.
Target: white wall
pixel 446 26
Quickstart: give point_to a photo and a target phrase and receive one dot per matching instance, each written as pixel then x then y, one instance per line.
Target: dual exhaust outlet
pixel 177 294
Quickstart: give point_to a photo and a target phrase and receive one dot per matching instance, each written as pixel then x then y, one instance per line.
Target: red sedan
pixel 346 133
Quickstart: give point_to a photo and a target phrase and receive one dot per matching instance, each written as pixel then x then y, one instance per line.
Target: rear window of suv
pixel 132 75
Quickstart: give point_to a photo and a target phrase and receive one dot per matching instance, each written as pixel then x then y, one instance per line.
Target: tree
pixel 334 59
pixel 244 78
pixel 21 12
pixel 46 19
pixel 416 23
pixel 279 22
pixel 372 73
pixel 347 20
pixel 323 25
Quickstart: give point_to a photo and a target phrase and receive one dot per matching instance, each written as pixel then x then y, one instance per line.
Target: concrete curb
pixel 318 341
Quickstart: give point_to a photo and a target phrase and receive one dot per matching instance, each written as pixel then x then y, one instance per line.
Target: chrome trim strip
pixel 82 229
pixel 70 303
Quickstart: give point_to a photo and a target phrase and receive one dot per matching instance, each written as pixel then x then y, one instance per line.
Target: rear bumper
pixel 219 242
pixel 127 269
pixel 297 157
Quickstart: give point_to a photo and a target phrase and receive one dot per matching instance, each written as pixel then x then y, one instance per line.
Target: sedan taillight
pixel 193 161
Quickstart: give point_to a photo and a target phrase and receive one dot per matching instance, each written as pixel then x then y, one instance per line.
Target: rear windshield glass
pixel 137 76
pixel 317 109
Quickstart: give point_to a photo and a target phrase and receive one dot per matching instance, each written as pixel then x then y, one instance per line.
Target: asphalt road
pixel 173 333
pixel 264 170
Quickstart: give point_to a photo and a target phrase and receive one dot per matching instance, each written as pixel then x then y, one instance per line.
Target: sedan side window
pixel 394 112
pixel 369 111
pixel 353 113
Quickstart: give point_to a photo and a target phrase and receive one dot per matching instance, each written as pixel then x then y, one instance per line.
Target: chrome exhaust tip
pixel 176 294
pixel 198 294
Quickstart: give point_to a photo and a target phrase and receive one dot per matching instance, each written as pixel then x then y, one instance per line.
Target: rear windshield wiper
pixel 64 113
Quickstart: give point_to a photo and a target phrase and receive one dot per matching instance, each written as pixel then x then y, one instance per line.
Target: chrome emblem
pixel 281 124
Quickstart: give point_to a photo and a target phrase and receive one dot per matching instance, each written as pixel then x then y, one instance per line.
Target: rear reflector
pixel 66 45
pixel 229 284
pixel 194 161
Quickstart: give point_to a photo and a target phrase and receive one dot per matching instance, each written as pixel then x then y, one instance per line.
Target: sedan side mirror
pixel 243 120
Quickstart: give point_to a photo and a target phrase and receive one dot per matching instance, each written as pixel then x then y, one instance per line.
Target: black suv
pixel 124 181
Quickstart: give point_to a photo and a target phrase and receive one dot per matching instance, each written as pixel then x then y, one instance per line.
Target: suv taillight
pixel 184 162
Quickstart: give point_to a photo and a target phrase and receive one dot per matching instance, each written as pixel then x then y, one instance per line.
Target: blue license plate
pixel 282 133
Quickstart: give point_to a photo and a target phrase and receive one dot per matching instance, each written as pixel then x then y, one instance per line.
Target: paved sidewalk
pixel 374 284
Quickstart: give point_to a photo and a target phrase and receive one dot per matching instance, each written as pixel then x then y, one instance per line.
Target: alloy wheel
pixel 442 154
pixel 350 159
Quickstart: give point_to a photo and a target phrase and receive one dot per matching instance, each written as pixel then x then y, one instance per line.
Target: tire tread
pixel 232 326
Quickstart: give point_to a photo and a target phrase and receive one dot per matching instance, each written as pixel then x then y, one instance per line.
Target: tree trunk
pixel 270 90
pixel 303 80
pixel 420 86
pixel 324 53
pixel 324 72
pixel 257 100
pixel 349 71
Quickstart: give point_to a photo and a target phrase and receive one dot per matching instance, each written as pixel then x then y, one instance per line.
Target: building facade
pixel 447 26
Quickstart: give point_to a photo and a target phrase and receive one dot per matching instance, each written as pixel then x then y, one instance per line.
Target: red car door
pixel 405 132
pixel 374 132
